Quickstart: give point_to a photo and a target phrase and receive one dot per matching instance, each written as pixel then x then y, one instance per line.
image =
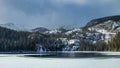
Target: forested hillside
pixel 101 34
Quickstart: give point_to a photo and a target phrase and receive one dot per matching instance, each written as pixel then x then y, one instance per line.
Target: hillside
pixel 98 35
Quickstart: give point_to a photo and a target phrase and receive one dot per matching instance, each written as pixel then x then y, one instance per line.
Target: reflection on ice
pixel 74 55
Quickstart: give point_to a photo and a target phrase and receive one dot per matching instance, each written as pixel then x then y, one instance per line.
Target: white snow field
pixel 31 62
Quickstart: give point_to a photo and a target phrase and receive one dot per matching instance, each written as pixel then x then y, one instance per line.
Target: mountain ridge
pixel 103 19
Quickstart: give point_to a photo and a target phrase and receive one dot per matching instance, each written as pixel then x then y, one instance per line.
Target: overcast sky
pixel 55 13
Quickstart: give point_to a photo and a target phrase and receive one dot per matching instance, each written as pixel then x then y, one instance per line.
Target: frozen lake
pixel 19 61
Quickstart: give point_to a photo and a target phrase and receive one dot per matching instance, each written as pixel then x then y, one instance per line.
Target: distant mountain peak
pixel 40 29
pixel 14 26
pixel 9 24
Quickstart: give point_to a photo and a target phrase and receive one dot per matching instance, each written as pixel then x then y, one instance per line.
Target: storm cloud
pixel 56 13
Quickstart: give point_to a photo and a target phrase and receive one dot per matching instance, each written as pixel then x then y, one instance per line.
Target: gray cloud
pixel 56 13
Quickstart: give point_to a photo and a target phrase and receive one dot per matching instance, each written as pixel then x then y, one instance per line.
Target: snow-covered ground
pixel 24 62
pixel 12 61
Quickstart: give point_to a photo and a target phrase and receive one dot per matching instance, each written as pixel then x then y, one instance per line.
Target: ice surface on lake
pixel 27 62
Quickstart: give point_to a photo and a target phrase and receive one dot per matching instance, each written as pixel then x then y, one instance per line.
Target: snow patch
pixel 53 31
pixel 74 30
